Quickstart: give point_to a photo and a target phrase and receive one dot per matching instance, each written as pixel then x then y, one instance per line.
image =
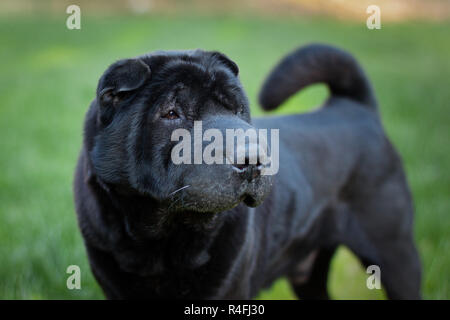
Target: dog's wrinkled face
pixel 140 102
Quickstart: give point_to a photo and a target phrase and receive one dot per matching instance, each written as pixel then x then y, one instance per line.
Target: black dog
pixel 154 229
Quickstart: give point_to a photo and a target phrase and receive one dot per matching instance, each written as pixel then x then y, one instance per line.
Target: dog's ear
pixel 119 79
pixel 230 64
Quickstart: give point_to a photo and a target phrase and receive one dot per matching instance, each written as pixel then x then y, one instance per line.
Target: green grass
pixel 48 77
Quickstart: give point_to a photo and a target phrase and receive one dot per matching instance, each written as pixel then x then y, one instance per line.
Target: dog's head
pixel 149 113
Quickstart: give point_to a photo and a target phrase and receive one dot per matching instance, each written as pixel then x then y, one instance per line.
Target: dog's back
pixel 350 179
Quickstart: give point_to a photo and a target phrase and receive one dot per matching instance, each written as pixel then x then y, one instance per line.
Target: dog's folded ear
pixel 230 64
pixel 120 78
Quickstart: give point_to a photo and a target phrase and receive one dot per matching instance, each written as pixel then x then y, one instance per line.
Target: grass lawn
pixel 48 76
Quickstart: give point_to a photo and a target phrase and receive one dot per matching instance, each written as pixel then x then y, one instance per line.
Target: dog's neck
pixel 180 239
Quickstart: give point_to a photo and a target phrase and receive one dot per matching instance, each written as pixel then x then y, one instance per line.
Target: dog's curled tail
pixel 313 64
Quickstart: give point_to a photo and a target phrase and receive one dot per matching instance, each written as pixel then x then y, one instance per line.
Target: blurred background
pixel 48 76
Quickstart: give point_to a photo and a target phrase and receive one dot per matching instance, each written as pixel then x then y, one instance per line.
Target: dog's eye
pixel 171 115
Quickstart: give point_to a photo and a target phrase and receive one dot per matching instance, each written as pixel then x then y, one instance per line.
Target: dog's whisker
pixel 182 188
